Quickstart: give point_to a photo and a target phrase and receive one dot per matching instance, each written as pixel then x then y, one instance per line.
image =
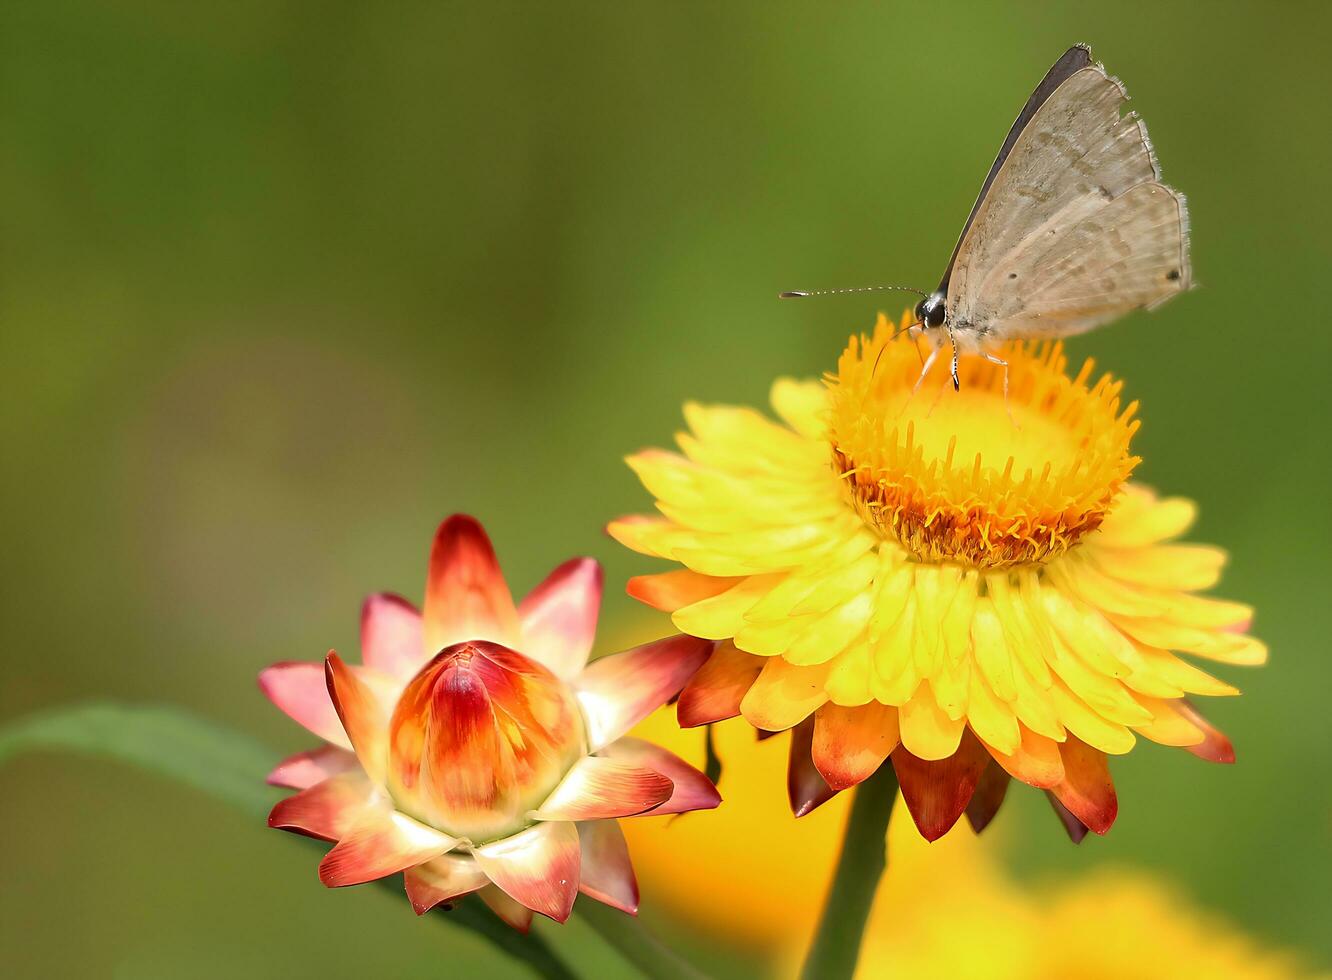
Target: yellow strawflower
pixel 965 582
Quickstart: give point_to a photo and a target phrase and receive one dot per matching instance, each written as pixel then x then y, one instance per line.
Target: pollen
pixel 975 476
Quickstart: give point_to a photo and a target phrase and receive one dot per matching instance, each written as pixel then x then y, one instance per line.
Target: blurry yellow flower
pixel 472 767
pixel 943 911
pixel 961 581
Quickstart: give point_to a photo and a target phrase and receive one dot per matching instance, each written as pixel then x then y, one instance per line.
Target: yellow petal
pixel 838 585
pixel 772 639
pixel 1230 648
pixel 956 628
pixel 1106 695
pixel 990 718
pixel 1089 634
pixel 1183 567
pixel 991 651
pixel 952 687
pixel 832 632
pixel 1034 706
pixel 784 695
pixel 894 582
pixel 1087 725
pixel 722 616
pixel 646 535
pixel 1081 578
pixel 848 680
pixel 1032 648
pixel 930 608
pixel 928 733
pixel 894 676
pixel 785 596
pixel 1140 519
pixel 1204 613
pixel 1183 676
pixel 1168 726
pixel 803 405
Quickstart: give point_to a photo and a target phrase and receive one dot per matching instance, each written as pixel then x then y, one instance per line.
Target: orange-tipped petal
pixel 784 695
pixel 598 788
pixel 538 867
pixel 1087 790
pixel 1214 747
pixel 299 690
pixel 327 810
pixel 851 743
pixel 691 789
pixel 607 874
pixel 391 635
pixel 670 591
pixel 442 880
pixel 305 769
pixel 1036 761
pixel 806 789
pixel 619 691
pixel 515 914
pixel 381 843
pixel 559 617
pixel 466 595
pixel 989 796
pixel 937 793
pixel 1076 829
pixel 364 717
pixel 716 691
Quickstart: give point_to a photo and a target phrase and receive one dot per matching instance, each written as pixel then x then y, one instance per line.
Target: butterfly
pixel 1072 228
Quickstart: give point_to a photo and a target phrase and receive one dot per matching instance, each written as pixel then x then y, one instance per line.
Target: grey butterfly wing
pixel 1072 60
pixel 1076 229
pixel 1090 263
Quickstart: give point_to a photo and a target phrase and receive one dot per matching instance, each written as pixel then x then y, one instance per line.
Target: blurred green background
pixel 283 284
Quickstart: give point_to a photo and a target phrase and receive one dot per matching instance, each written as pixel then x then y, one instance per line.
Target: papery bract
pixel 479 738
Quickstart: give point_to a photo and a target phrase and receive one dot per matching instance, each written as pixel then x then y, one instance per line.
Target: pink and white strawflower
pixel 476 749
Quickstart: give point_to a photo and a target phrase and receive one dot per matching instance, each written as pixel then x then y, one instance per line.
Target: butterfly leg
pixel 925 369
pixel 1003 364
pixel 915 341
pixel 957 385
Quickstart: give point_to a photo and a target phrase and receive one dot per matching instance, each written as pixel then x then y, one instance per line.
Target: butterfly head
pixel 932 310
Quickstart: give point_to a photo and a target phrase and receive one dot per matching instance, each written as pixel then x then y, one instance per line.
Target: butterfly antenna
pixel 802 293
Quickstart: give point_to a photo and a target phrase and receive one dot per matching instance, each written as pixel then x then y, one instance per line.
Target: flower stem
pixel 836 945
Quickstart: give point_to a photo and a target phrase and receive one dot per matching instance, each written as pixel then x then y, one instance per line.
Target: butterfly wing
pixel 1091 263
pixel 1072 60
pixel 1076 229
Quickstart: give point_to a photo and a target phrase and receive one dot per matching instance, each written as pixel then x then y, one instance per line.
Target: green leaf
pixel 226 765
pixel 229 766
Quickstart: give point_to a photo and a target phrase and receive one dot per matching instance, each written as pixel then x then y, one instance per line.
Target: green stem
pixel 836 945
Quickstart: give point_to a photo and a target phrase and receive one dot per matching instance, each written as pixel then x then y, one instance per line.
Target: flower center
pixel 971 476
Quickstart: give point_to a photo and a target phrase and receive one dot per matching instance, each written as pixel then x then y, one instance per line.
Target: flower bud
pixel 479 738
